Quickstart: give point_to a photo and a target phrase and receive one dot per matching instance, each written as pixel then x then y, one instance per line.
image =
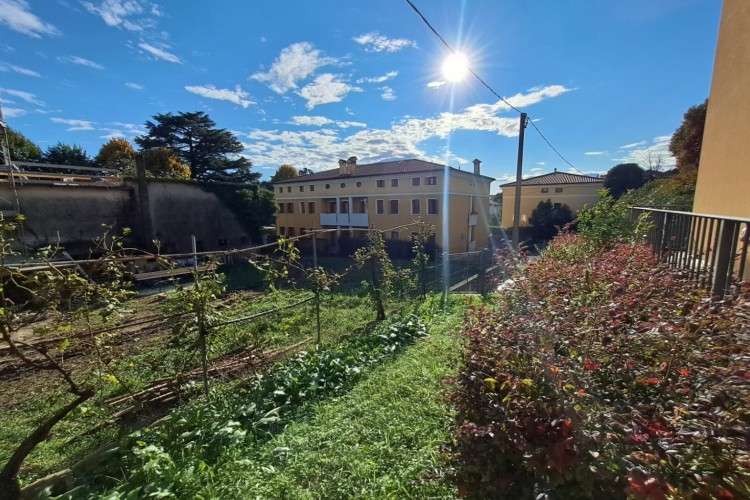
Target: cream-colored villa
pixel 387 195
pixel 560 188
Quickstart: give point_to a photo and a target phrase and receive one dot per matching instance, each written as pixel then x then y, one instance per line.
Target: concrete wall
pixel 179 210
pixel 724 174
pixel 73 215
pixel 573 195
pixel 464 189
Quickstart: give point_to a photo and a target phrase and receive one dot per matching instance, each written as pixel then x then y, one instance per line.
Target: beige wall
pixel 573 195
pixel 462 188
pixel 724 174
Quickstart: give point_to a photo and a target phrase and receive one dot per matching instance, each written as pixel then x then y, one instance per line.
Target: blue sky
pixel 307 83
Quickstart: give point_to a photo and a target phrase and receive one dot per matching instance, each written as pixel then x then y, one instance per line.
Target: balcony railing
pixel 349 219
pixel 711 249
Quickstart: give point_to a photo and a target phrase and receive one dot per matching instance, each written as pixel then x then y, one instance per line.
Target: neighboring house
pixel 723 186
pixel 560 188
pixel 387 195
pixel 496 207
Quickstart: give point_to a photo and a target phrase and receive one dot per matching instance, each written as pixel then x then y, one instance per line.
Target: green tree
pixel 117 154
pixel 64 154
pixel 212 154
pixel 284 172
pixel 161 163
pixel 305 171
pixel 686 142
pixel 21 148
pixel 622 178
pixel 546 219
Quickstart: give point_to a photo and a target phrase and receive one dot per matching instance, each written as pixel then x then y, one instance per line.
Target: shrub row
pixel 604 375
pixel 169 460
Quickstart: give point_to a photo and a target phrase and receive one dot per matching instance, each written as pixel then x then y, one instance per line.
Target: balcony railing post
pixel 723 257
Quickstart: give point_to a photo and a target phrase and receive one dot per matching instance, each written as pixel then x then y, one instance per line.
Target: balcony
pixel 353 220
pixel 473 219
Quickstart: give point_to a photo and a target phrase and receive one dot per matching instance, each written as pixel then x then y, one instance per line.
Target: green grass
pixel 151 358
pixel 381 440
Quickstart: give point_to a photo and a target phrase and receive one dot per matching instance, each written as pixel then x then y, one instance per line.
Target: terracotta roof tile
pixel 556 178
pixel 375 169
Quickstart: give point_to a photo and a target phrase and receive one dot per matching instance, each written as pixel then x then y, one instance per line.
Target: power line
pixel 481 80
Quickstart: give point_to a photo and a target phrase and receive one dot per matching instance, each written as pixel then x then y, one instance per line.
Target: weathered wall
pixel 724 176
pixel 179 210
pixel 73 215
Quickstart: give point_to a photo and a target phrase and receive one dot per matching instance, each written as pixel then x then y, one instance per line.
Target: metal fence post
pixel 723 257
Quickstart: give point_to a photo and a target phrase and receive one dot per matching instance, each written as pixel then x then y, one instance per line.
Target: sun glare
pixel 455 67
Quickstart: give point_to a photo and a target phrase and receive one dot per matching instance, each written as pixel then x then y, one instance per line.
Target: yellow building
pixel 387 195
pixel 560 188
pixel 723 176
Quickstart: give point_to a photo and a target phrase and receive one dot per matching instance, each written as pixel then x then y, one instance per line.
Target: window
pixel 394 183
pixel 545 190
pixel 282 231
pixel 291 232
pixel 302 189
pixel 343 185
pixel 281 190
pixel 394 207
pixel 558 190
pixel 312 187
pixel 415 207
pixel 302 231
pixel 379 206
pixel 331 207
pixel 344 206
pixel 302 207
pixel 394 235
pixel 432 206
pixel 289 189
pixel 311 207
pixel 431 181
pixel 415 181
pixel 290 208
pixel 328 186
pixel 381 183
pixel 557 205
pixel 359 184
pixel 281 208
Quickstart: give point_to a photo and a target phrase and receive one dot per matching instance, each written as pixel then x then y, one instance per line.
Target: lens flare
pixel 455 67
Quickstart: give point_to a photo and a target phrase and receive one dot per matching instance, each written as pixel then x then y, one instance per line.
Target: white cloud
pixel 130 128
pixel 75 125
pixel 134 86
pixel 7 68
pixel 263 39
pixel 326 89
pixel 125 14
pixel 16 15
pixel 347 124
pixel 13 112
pixel 319 149
pixel 375 42
pixel 81 62
pixel 541 163
pixel 387 94
pixel 315 121
pixel 236 96
pixel 436 85
pixel 595 153
pixel 633 145
pixel 23 95
pixel 294 64
pixel 160 53
pixel 653 154
pixel 379 79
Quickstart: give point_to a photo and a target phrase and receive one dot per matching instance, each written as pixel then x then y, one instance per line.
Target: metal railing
pixel 711 249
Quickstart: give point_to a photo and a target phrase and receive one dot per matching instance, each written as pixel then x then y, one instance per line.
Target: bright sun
pixel 455 67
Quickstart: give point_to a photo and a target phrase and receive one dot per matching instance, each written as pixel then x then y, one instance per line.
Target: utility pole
pixel 519 172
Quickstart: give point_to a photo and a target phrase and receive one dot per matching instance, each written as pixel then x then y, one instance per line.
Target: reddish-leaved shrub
pixel 605 376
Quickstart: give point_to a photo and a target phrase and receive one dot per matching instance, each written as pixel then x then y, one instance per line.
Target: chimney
pixel 342 167
pixel 351 164
pixel 476 166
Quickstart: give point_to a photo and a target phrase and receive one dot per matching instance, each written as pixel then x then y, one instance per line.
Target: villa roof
pixel 409 166
pixel 556 178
